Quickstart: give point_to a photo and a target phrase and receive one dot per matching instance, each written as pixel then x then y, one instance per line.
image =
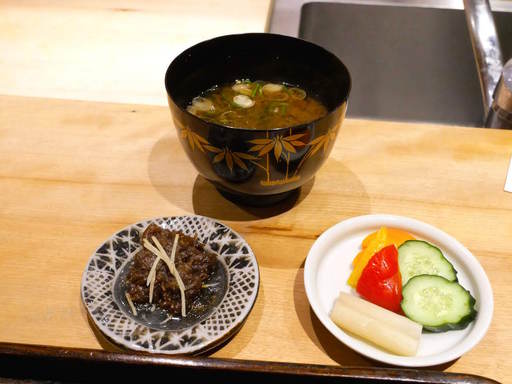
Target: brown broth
pixel 257 105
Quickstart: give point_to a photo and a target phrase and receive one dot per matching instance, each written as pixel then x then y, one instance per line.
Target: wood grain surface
pixel 109 50
pixel 72 173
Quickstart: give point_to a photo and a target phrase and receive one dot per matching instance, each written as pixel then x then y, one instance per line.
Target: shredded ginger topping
pixel 130 302
pixel 160 254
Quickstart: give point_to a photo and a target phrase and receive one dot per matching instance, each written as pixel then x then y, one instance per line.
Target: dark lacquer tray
pixel 34 363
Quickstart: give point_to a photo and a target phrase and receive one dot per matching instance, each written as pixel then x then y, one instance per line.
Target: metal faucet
pixel 495 79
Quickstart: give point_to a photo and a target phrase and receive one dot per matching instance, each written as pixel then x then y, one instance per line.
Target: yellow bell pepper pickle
pixel 373 243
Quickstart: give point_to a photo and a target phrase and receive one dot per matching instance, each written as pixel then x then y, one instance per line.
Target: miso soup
pixel 257 104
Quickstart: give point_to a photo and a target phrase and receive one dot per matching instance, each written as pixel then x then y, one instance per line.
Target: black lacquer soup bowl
pixel 252 165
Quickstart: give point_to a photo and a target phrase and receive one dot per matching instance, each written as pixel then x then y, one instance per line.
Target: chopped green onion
pixel 242 88
pixel 243 101
pixel 297 93
pixel 256 89
pixel 272 88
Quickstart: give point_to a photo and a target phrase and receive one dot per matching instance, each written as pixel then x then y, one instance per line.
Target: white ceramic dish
pixel 328 267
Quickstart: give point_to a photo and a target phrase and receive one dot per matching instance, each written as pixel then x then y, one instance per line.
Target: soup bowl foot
pixel 259 200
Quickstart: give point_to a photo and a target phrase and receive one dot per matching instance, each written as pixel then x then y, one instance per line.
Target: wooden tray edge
pixel 48 358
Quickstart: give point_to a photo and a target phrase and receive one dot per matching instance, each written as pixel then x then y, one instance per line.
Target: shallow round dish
pixel 107 305
pixel 328 266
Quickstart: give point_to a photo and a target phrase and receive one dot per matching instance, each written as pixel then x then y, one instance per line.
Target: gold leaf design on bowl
pixel 194 140
pixel 279 145
pixel 231 158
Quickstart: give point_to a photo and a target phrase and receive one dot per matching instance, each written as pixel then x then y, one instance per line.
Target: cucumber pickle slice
pixel 416 257
pixel 437 303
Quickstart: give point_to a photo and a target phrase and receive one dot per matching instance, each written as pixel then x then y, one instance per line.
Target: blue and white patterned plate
pixel 108 309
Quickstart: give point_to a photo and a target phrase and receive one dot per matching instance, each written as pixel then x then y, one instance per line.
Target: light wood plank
pixel 109 50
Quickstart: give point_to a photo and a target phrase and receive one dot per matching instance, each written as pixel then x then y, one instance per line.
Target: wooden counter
pixel 74 172
pixel 109 50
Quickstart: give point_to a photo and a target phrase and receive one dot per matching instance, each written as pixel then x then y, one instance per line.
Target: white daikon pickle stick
pixel 384 316
pixel 374 330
